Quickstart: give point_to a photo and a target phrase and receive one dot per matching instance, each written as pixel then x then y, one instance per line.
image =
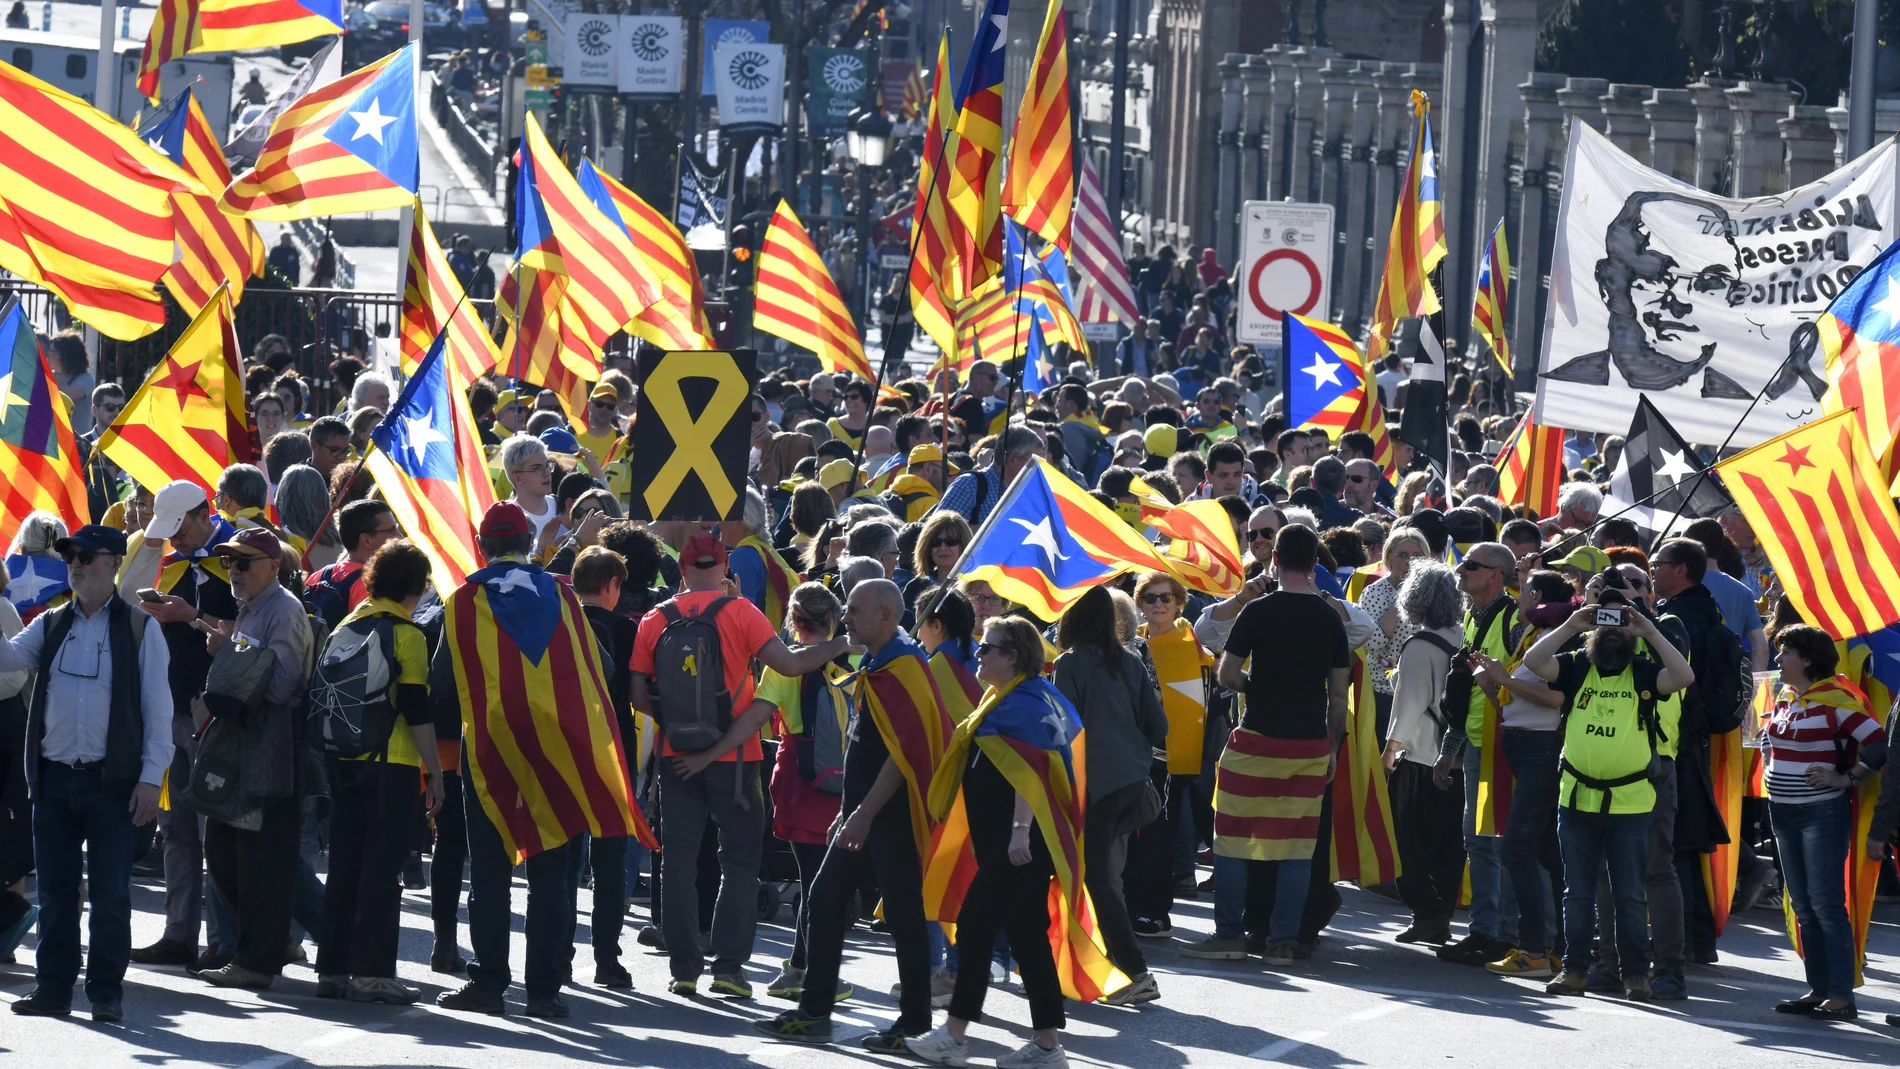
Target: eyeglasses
pixel 1357 479
pixel 109 408
pixel 1470 565
pixel 1262 534
pixel 533 469
pixel 82 557
pixel 241 564
pixel 385 532
pixel 1661 563
pixel 1162 598
pixel 607 405
pixel 947 543
pixel 988 647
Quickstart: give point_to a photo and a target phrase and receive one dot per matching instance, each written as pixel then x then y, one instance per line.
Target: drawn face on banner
pixel 1660 305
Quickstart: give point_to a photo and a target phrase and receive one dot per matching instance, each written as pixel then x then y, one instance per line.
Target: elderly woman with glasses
pixel 1380 600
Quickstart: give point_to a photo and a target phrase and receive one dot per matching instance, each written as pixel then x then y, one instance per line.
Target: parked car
pixel 441 25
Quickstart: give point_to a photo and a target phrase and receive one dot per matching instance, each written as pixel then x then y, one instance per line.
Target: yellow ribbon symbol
pixel 693 438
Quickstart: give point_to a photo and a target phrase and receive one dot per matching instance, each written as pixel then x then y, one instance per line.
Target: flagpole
pixel 1008 497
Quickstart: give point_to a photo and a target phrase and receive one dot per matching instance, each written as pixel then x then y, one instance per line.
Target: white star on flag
pixel 1675 467
pixel 1889 305
pixel 371 123
pixel 418 433
pixel 1322 372
pixel 1002 31
pixel 1042 535
pixel 1058 728
pixel 25 589
pixel 513 579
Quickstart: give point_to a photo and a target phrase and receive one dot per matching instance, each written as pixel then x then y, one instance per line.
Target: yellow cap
pixel 836 473
pixel 508 397
pixel 924 453
pixel 603 390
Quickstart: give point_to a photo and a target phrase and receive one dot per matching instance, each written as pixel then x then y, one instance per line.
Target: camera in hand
pixel 1612 616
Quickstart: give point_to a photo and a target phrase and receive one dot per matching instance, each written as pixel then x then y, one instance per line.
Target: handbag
pixel 241 673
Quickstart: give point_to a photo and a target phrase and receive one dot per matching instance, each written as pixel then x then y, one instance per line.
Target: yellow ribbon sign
pixel 693 440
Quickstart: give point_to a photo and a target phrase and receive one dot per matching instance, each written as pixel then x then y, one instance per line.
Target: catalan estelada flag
pixel 433 305
pixel 1202 551
pixel 544 754
pixel 1417 241
pixel 1491 300
pixel 1728 776
pixel 780 577
pixel 798 301
pixel 85 206
pixel 900 696
pixel 347 146
pixel 1031 733
pixel 1039 190
pixel 996 320
pixel 184 26
pixel 976 210
pixel 1531 466
pixel 1860 338
pixel 1819 506
pixel 39 459
pixel 914 91
pixel 1325 376
pixel 677 320
pixel 1047 542
pixel 930 216
pixel 213 247
pixel 428 462
pixel 1038 372
pixel 1365 845
pixel 187 420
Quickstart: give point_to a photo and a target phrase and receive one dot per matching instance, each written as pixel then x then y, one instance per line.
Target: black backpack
pixel 1724 684
pixel 689 678
pixel 821 745
pixel 1437 710
pixel 328 596
pixel 349 713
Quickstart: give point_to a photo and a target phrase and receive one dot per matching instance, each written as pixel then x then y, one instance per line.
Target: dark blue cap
pixel 94 538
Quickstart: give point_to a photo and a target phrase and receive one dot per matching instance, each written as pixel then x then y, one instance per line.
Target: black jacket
pixel 1699 824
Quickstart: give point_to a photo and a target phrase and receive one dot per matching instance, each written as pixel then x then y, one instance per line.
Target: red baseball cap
pixel 504 519
pixel 703 549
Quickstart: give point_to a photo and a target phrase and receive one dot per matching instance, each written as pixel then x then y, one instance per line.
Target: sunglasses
pixel 82 558
pixel 609 405
pixel 989 647
pixel 758 417
pixel 241 564
pixel 1261 534
pixel 947 543
pixel 1472 566
pixel 1157 599
pixel 108 407
pixel 1357 479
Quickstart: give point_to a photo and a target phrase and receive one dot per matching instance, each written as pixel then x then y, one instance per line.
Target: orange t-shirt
pixel 743 631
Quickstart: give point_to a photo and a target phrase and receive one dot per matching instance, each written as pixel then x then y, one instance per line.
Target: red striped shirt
pixel 1800 737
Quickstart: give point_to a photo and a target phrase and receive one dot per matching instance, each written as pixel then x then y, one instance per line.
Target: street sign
pixel 717 32
pixel 653 60
pixel 839 78
pixel 1286 264
pixel 751 83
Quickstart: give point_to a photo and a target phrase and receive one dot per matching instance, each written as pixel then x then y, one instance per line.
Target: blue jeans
pixel 1533 759
pixel 1289 898
pixel 76 807
pixel 553 876
pixel 1493 903
pixel 1587 841
pixel 1813 839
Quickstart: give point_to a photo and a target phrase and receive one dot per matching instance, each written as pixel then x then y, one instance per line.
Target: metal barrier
pixel 477 151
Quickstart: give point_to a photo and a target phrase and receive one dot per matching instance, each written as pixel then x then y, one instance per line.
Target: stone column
pixel 1389 142
pixel 1712 126
pixel 1227 189
pixel 1307 99
pixel 1255 119
pixel 1543 139
pixel 1671 114
pixel 1335 79
pixel 1624 121
pixel 1886 122
pixel 1582 101
pixel 1349 264
pixel 1807 144
pixel 1755 108
pixel 1276 157
pixel 1510 52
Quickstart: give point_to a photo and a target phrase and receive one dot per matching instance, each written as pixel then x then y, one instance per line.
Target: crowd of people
pixel 304 717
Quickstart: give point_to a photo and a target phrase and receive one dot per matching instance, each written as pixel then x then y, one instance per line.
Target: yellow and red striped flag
pixel 798 301
pixel 1202 551
pixel 976 210
pixel 1818 503
pixel 998 322
pixel 1039 190
pixel 1531 466
pixel 1491 300
pixel 930 216
pixel 901 697
pixel 1417 241
pixel 548 351
pixel 187 420
pixel 914 91
pixel 212 247
pixel 1035 739
pixel 429 465
pixel 85 206
pixel 1365 843
pixel 40 467
pixel 183 26
pixel 545 757
pixel 433 305
pixel 678 319
pixel 346 146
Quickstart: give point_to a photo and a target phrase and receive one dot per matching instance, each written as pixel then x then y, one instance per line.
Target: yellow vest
pixel 1604 739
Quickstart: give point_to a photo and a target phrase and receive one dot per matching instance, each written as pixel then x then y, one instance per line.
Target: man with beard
pixel 1609 762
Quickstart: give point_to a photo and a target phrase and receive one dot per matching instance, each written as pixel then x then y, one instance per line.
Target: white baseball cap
pixel 169 506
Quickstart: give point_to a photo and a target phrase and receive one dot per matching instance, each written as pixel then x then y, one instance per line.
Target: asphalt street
pixel 1363 1000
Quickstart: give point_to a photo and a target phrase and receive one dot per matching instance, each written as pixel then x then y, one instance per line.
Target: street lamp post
pixel 867 141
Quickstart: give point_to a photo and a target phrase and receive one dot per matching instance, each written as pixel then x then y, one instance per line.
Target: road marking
pixel 272 1062
pixel 1273 1052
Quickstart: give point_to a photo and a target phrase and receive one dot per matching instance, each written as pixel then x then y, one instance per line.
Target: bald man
pixel 876 832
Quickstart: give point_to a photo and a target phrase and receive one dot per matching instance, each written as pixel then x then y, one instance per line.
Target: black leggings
pixel 445 864
pixel 808 856
pixel 1013 899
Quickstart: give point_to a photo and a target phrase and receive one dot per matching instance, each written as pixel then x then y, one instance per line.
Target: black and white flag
pixel 1659 476
pixel 1423 424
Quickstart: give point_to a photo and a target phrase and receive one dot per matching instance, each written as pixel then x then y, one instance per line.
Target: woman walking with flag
pixel 1011 764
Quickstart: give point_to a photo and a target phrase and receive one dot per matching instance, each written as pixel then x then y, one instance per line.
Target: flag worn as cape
pixel 780 578
pixel 1365 845
pixel 902 699
pixel 544 754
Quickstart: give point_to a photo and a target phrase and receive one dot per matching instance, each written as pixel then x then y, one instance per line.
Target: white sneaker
pixel 938 1048
pixel 943 984
pixel 1035 1057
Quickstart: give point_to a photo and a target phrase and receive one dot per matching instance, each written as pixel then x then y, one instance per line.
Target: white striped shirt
pixel 1800 736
